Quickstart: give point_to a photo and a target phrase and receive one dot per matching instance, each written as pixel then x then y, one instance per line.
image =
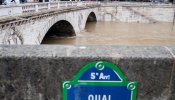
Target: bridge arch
pixel 91 17
pixel 61 28
pixel 76 21
pixel 66 27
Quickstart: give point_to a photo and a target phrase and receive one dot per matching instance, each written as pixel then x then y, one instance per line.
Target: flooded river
pixel 113 33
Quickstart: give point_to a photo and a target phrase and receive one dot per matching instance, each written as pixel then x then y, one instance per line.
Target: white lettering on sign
pixel 99 97
pixel 99 76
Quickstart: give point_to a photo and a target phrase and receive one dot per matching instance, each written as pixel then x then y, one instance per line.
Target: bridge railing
pixel 60 4
pixel 53 5
pixel 36 7
pixel 30 8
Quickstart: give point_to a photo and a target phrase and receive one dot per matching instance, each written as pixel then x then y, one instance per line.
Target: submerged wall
pixel 139 14
pixel 37 72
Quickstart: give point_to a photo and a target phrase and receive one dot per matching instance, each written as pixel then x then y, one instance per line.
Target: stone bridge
pixel 31 28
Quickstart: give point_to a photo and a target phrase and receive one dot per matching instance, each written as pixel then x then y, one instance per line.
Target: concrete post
pixel 48 5
pixel 66 4
pixel 58 6
pixel 36 8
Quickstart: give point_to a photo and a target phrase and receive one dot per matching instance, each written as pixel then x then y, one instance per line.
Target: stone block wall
pixel 37 72
pixel 139 14
pixel 161 14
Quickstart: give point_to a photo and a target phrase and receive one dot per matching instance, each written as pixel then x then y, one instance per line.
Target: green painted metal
pixel 132 86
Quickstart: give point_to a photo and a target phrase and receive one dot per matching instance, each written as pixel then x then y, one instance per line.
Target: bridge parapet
pixel 22 14
pixel 36 7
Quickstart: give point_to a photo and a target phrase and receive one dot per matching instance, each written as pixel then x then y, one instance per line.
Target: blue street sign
pixel 80 92
pixel 99 81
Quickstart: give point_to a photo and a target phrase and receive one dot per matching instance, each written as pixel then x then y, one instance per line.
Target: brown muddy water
pixel 114 33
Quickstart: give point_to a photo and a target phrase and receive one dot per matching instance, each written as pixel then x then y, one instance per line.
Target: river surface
pixel 114 33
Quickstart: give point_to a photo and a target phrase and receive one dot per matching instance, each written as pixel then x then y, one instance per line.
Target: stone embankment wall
pixel 139 14
pixel 37 72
